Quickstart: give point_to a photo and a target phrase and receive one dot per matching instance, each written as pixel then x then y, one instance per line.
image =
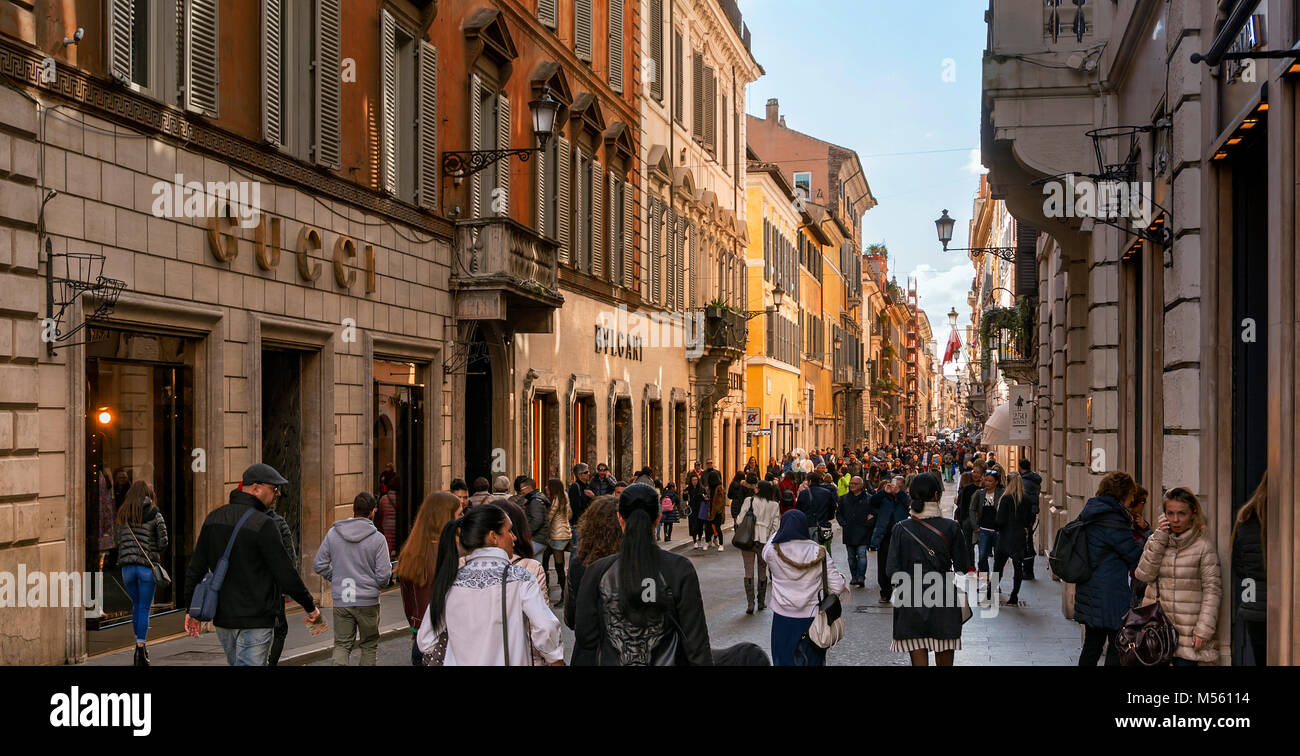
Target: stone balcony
pixel 505 271
pixel 724 330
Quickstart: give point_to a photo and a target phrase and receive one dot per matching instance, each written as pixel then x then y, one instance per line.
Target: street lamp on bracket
pixel 460 164
pixel 944 223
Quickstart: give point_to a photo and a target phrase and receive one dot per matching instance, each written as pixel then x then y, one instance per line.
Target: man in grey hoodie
pixel 354 558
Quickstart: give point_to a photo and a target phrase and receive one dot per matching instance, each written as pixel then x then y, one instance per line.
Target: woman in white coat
pixel 766 506
pixel 476 613
pixel 795 564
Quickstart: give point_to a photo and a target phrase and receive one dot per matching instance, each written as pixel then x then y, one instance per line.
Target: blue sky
pixel 869 75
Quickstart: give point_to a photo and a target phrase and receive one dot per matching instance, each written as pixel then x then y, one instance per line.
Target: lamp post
pixel 952 317
pixel 944 223
pixel 463 163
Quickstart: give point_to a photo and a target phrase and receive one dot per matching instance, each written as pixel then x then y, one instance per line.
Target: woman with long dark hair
pixel 417 563
pixel 141 539
pixel 642 606
pixel 560 537
pixel 694 497
pixel 767 517
pixel 465 622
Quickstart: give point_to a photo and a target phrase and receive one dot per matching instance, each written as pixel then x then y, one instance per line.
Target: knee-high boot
pixel 762 595
pixel 749 595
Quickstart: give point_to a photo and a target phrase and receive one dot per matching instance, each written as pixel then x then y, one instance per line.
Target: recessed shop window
pixel 139 432
pixel 623 439
pixel 544 456
pixel 583 414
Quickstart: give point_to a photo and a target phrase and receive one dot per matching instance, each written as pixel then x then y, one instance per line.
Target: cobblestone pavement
pixel 1032 634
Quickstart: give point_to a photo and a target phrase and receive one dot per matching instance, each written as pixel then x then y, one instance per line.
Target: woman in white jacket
pixel 795 565
pixel 766 506
pixel 468 623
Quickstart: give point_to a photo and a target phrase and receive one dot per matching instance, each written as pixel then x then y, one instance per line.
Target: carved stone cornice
pixel 22 65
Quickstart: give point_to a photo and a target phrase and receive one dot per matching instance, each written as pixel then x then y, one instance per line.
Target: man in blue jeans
pixel 259 571
pixel 855 517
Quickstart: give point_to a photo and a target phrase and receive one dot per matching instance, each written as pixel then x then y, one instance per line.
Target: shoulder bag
pixel 203 606
pixel 743 536
pixel 1146 637
pixel 161 580
pixel 946 561
pixel 828 626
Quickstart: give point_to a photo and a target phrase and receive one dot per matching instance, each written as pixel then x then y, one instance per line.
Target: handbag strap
pixel 225 555
pixel 131 530
pixel 826 585
pixel 505 625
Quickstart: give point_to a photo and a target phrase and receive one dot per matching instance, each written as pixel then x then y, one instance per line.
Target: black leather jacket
pixel 604 636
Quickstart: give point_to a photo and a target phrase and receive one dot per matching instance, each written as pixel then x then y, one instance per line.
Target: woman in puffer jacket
pixel 1101 601
pixel 1180 560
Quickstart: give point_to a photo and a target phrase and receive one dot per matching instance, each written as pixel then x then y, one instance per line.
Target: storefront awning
pixel 997 431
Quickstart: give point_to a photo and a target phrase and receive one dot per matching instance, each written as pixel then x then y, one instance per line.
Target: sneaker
pixel 719 547
pixel 883 600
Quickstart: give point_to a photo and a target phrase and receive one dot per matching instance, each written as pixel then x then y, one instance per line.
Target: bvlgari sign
pixel 619 344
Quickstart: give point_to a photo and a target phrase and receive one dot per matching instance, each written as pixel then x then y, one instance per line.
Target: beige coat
pixel 1185 571
pixel 561 530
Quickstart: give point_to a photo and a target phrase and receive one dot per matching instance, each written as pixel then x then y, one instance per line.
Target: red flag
pixel 954 346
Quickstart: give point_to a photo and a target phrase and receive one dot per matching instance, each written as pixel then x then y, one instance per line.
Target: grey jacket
pixel 354 558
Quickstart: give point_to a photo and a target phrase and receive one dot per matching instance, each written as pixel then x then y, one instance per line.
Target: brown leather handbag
pixel 1146 638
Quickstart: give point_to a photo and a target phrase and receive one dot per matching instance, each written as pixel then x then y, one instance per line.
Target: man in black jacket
pixel 281 623
pixel 537 511
pixel 856 518
pixel 259 570
pixel 817 502
pixel 580 495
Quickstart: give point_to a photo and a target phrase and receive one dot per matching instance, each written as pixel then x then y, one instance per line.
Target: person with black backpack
pixel 1103 594
pixel 258 570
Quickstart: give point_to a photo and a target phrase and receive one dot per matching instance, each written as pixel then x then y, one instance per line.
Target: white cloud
pixel 973 166
pixel 939 291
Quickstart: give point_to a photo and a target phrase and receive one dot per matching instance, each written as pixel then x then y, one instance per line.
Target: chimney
pixel 782 122
pixel 772 109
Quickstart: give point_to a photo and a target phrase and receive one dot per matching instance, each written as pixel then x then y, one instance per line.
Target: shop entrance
pixel 282 438
pixel 583 433
pixel 623 439
pixel 478 410
pixel 655 429
pixel 139 427
pixel 679 444
pixel 543 441
pixel 398 447
pixel 1249 358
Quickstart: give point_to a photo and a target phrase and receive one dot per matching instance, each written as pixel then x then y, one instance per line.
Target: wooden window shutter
pixel 548 13
pixel 710 102
pixel 562 178
pixel 722 153
pixel 426 128
pixel 476 143
pixel 697 287
pixel 671 285
pixel 697 95
pixel 597 220
pixel 613 228
pixel 272 129
pixel 582 28
pixel 616 45
pixel 503 143
pixel 1026 270
pixel 388 102
pixel 328 138
pixel 679 265
pixel 679 79
pixel 656 251
pixel 200 56
pixel 121 27
pixel 581 249
pixel 657 49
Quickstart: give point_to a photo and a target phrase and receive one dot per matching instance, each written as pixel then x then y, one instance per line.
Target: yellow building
pixel 775 386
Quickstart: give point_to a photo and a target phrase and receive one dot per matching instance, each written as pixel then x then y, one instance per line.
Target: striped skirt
pixel 926 644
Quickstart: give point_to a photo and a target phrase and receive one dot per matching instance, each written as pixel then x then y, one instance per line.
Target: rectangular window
pixel 679 80
pixel 657 49
pixel 803 184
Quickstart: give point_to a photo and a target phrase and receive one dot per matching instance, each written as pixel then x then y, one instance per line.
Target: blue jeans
pixel 857 561
pixel 138 581
pixel 246 647
pixel 988 541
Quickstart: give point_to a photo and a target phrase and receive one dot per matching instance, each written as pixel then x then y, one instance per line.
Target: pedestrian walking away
pixel 767 517
pixel 354 558
pixel 795 562
pixel 141 538
pixel 1101 601
pixel 641 606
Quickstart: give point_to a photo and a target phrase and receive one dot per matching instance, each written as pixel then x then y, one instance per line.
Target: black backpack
pixel 1069 557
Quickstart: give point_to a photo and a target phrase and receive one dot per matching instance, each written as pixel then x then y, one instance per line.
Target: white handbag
pixel 828 626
